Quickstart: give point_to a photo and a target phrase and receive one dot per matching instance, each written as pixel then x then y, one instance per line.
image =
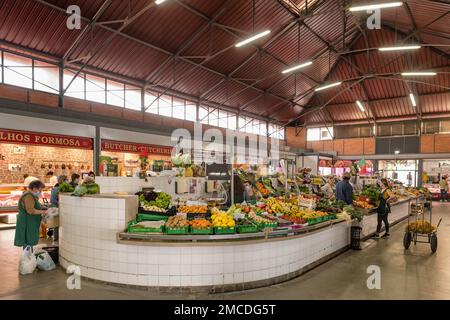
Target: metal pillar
pixel 419 173
pixel 97 151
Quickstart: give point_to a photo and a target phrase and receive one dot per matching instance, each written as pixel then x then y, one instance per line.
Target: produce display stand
pixel 417 210
pixel 123 237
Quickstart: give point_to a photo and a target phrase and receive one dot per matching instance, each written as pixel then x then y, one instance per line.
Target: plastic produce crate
pixel 247 229
pixel 179 231
pixel 268 225
pixel 202 231
pixel 224 230
pixel 151 217
pixel 132 228
pixel 315 221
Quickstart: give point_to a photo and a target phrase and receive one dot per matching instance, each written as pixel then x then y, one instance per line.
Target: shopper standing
pixel 384 208
pixel 27 179
pixel 327 189
pixel 52 178
pixel 344 191
pixel 54 196
pixel 443 185
pixel 75 180
pixel 409 178
pixel 29 217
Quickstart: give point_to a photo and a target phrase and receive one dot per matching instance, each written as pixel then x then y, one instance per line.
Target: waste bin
pixel 53 252
pixel 355 242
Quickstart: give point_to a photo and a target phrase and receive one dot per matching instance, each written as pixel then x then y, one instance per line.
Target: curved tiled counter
pixel 89 238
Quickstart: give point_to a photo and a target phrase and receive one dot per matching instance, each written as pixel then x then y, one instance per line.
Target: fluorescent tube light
pixel 360 106
pixel 328 86
pixel 376 6
pixel 253 38
pixel 297 67
pixel 413 100
pixel 418 73
pixel 400 48
pixel 159 1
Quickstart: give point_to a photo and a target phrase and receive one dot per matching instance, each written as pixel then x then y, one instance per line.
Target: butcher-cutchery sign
pixel 43 139
pixel 129 147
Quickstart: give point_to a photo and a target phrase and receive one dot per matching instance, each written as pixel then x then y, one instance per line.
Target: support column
pixel 419 173
pixel 61 85
pixel 97 150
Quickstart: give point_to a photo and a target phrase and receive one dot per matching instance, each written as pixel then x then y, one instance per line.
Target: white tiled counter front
pixel 88 239
pixel 399 211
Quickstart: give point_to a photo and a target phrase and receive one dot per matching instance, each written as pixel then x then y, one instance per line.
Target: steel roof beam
pixel 85 30
pixel 159 49
pixel 189 41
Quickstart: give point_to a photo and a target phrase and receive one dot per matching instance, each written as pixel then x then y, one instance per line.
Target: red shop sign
pixel 129 147
pixel 43 139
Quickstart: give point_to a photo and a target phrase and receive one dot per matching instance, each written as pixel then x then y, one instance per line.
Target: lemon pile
pixel 222 220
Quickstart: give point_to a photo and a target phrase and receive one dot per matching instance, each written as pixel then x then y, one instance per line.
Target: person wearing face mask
pixel 75 180
pixel 29 217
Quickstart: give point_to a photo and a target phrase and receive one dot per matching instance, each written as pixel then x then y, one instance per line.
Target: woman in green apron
pixel 29 217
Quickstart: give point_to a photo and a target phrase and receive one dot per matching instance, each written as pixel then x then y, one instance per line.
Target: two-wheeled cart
pixel 420 230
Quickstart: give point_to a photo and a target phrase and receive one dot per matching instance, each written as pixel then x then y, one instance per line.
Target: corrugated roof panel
pixel 435 103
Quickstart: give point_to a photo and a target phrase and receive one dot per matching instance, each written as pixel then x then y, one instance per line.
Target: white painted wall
pixel 136 137
pixel 16 122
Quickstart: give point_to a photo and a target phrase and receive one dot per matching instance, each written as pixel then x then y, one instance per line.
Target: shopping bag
pixel 27 262
pixel 51 214
pixel 44 261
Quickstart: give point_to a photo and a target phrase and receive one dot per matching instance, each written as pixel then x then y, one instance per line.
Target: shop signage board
pixel 44 139
pixel 130 147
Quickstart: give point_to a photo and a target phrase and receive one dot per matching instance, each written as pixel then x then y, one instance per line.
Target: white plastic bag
pixel 44 261
pixel 51 213
pixel 27 262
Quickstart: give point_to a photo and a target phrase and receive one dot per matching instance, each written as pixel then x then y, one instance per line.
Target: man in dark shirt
pixel 344 190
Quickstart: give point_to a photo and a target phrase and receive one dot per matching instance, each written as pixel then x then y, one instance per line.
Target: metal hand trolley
pixel 417 210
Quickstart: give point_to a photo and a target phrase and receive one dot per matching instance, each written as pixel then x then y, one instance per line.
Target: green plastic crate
pixel 151 217
pixel 268 225
pixel 224 230
pixel 133 229
pixel 177 230
pixel 315 221
pixel 202 231
pixel 247 229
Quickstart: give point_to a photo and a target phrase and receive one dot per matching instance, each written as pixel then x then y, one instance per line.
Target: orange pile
pixel 200 224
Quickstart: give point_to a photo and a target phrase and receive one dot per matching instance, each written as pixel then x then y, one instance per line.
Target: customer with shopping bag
pixel 384 208
pixel 29 217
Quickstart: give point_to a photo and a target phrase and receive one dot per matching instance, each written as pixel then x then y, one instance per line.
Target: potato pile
pixel 176 222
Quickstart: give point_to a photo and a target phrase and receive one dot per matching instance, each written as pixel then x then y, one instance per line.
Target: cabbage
pixel 186 159
pixel 80 191
pixel 177 160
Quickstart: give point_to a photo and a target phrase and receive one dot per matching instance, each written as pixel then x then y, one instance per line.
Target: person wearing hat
pixel 344 190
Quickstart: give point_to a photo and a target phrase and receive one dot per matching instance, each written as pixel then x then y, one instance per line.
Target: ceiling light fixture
pixel 297 67
pixel 418 73
pixel 360 106
pixel 400 48
pixel 376 6
pixel 397 151
pixel 253 38
pixel 413 100
pixel 159 1
pixel 328 86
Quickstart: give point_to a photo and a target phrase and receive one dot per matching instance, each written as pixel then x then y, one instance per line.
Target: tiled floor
pixel 412 274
